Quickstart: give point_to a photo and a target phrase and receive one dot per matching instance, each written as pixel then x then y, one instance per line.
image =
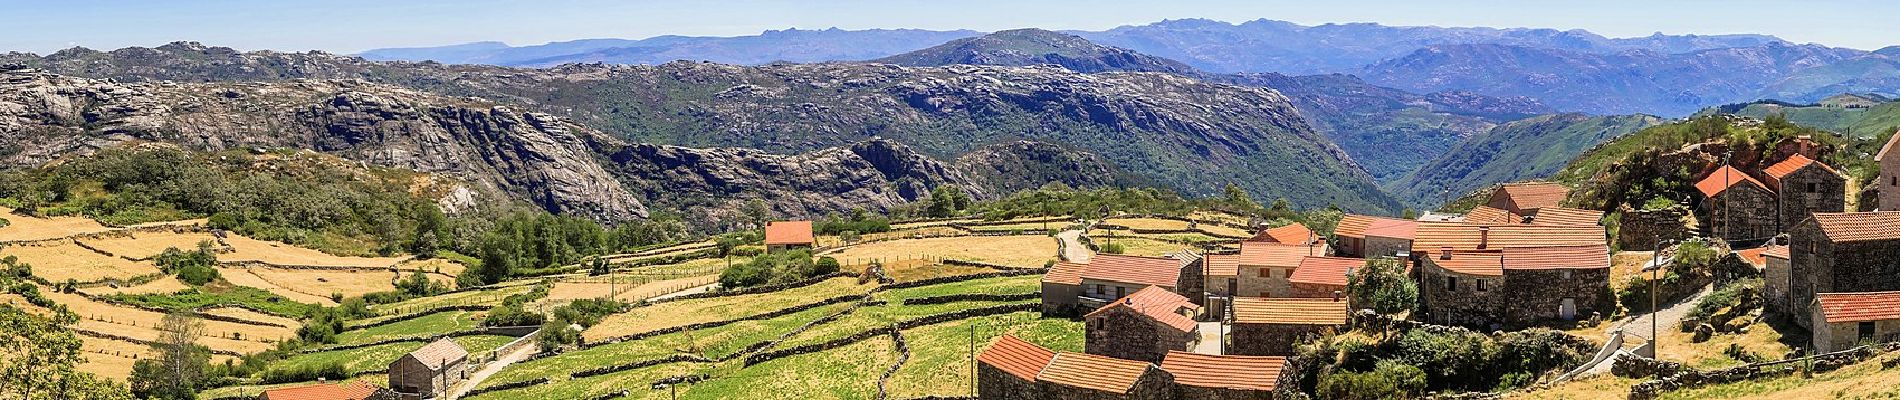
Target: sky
pixel 351 26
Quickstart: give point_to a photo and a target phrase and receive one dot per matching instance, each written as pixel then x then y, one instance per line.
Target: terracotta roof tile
pixel 324 391
pixel 1713 184
pixel 1291 311
pixel 788 232
pixel 1567 216
pixel 1159 304
pixel 1857 307
pixel 1483 264
pixel 1263 254
pixel 1153 271
pixel 1557 257
pixel 1757 256
pixel 1361 226
pixel 1488 215
pixel 1016 357
pixel 1223 265
pixel 1093 372
pixel 1066 273
pixel 1535 195
pixel 439 353
pixel 1433 237
pixel 1254 373
pixel 1794 163
pixel 1325 270
pixel 1294 234
pixel 1777 251
pixel 1859 226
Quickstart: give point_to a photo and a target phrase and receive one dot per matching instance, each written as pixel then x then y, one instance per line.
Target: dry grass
pixel 911 233
pixel 1025 251
pixel 146 245
pixel 1148 223
pixel 1145 247
pixel 167 284
pixel 69 261
pixel 1623 265
pixel 1761 339
pixel 29 228
pixel 322 283
pixel 472 297
pixel 1225 231
pixel 1601 387
pixel 17 301
pixel 924 224
pixel 440 267
pixel 686 312
pixel 626 289
pixel 141 324
pixel 1219 216
pixel 248 249
pixel 1865 380
pixel 244 277
pixel 911 270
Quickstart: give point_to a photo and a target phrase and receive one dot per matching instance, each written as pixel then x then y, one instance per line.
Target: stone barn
pixel 429 372
pixel 1275 326
pixel 1365 236
pixel 1008 369
pixel 1524 198
pixel 1061 286
pixel 1888 184
pixel 1228 377
pixel 787 235
pixel 1143 326
pixel 1515 286
pixel 1844 320
pixel 1320 277
pixel 1776 277
pixel 1018 370
pixel 1842 253
pixel 1736 207
pixel 1804 187
pixel 1109 276
pixel 1265 267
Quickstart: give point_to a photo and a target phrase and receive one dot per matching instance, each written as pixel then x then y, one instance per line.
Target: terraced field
pixel 432 324
pixel 377 358
pixel 145 245
pixel 688 312
pixel 275 253
pixel 69 261
pixel 1022 251
pixel 23 228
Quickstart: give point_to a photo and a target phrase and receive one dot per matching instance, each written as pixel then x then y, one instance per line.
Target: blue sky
pixel 348 26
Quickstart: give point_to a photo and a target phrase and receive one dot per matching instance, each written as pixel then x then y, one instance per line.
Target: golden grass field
pixel 442 267
pixel 1136 246
pixel 627 288
pixel 1225 231
pixel 69 261
pixel 923 224
pixel 910 233
pixel 911 270
pixel 141 324
pixel 147 245
pixel 244 277
pixel 167 284
pixel 1625 264
pixel 1023 251
pixel 1148 223
pixel 318 282
pixel 30 228
pixel 248 249
pixel 686 312
pixel 1219 217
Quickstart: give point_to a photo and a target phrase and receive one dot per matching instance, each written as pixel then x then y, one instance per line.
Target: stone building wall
pixel 1154 384
pixel 1457 303
pixel 1845 335
pixel 1349 247
pixel 1059 300
pixel 1888 184
pixel 1387 247
pixel 1640 230
pixel 1536 295
pixel 1193 282
pixel 1811 268
pixel 1818 265
pixel 1742 212
pixel 1774 286
pixel 1269 339
pixel 1252 284
pixel 1809 190
pixel 1315 290
pixel 994 384
pixel 1186 392
pixel 1123 333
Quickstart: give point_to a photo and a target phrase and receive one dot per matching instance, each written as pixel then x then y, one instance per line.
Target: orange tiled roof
pixel 1254 373
pixel 1066 273
pixel 1713 184
pixel 1776 251
pixel 1276 255
pixel 1361 226
pixel 1093 372
pixel 1557 257
pixel 1325 270
pixel 1488 215
pixel 1857 307
pixel 324 391
pixel 788 232
pixel 439 353
pixel 1157 303
pixel 1433 237
pixel 1859 226
pixel 1484 264
pixel 1567 216
pixel 1756 256
pixel 1016 357
pixel 1290 311
pixel 1535 195
pixel 1223 265
pixel 1294 234
pixel 1153 271
pixel 1794 163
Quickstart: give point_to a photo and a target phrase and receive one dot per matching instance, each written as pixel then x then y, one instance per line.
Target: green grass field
pixel 378 357
pixel 432 324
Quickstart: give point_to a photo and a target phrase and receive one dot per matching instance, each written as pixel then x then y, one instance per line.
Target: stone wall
pixel 1888 184
pixel 1193 282
pixel 1058 300
pixel 1537 295
pixel 1123 333
pixel 1185 392
pixel 1809 190
pixel 1743 212
pixel 1259 281
pixel 1845 335
pixel 1315 290
pixel 1384 246
pixel 1775 285
pixel 1457 303
pixel 994 384
pixel 1270 339
pixel 1640 230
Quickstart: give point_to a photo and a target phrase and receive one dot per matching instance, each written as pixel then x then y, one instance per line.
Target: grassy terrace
pixel 378 357
pixel 687 312
pixel 438 323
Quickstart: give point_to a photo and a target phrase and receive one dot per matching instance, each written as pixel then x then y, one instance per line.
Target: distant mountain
pixel 791 45
pixel 1035 46
pixel 1532 148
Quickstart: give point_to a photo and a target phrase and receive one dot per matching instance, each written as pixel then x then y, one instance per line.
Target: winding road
pixel 1072 248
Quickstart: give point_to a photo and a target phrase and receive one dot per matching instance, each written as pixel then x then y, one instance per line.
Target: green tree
pixel 1382 286
pixel 179 369
pixel 41 355
pixel 1239 199
pixel 756 212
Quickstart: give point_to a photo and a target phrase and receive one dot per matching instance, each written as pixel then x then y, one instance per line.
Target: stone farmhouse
pixel 1888 184
pixel 1474 274
pixel 358 390
pixel 1803 187
pixel 1273 326
pixel 1071 288
pixel 1523 198
pixel 1263 269
pixel 1736 207
pixel 1015 369
pixel 1143 326
pixel 787 235
pixel 1844 320
pixel 1366 236
pixel 1841 253
pixel 1775 274
pixel 1322 277
pixel 429 372
pixel 1227 377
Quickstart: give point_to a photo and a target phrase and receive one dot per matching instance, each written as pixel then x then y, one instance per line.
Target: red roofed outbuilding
pixel 1737 207
pixel 1842 253
pixel 1008 368
pixel 1107 277
pixel 1143 326
pixel 786 235
pixel 1015 369
pixel 1322 276
pixel 1227 377
pixel 1844 320
pixel 1060 288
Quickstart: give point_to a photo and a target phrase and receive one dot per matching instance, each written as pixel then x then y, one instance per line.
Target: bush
pixel 1112 248
pixel 1390 380
pixel 1455 357
pixel 512 315
pixel 329 371
pixel 775 268
pixel 1383 287
pixel 196 268
pixel 1740 293
pixel 826 266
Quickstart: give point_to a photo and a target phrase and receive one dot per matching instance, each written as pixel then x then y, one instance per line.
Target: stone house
pixel 1842 253
pixel 1322 277
pixel 1292 234
pixel 1844 320
pixel 1008 369
pixel 787 235
pixel 1888 184
pixel 1433 237
pixel 1263 268
pixel 1015 369
pixel 1565 216
pixel 358 390
pixel 1223 280
pixel 1061 287
pixel 1143 326
pixel 1228 377
pixel 429 372
pixel 1524 198
pixel 1736 207
pixel 1803 187
pixel 1776 278
pixel 1515 286
pixel 1110 276
pixel 1276 326
pixel 1366 236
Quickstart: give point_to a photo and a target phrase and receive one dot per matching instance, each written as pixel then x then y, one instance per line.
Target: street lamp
pixel 1655 274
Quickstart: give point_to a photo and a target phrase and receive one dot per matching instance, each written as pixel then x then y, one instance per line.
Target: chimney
pixel 1803 144
pixel 1484 237
pixel 1336 296
pixel 1446 255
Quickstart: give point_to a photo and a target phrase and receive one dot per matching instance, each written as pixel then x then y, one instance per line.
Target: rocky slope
pixel 1532 148
pixel 1169 129
pixel 1006 168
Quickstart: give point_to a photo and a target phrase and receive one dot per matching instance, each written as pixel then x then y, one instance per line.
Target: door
pixel 1569 309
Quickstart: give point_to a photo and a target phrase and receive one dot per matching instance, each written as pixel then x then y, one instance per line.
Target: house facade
pixel 1366 236
pixel 429 372
pixel 1776 278
pixel 1842 321
pixel 1276 326
pixel 1736 207
pixel 1842 253
pixel 1513 275
pixel 1078 288
pixel 1264 269
pixel 1143 326
pixel 1803 187
pixel 1322 277
pixel 1888 184
pixel 1061 288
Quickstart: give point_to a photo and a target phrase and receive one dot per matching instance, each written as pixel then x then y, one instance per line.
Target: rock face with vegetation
pixel 1007 168
pixel 1531 148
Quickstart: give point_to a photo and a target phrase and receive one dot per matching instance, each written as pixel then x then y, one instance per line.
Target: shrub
pixel 1112 248
pixel 775 268
pixel 1390 380
pixel 512 315
pixel 825 266
pixel 196 268
pixel 1383 287
pixel 330 371
pixel 1455 357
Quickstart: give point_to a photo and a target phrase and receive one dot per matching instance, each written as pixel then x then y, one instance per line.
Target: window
pixel 1814 187
pixel 1266 273
pixel 1866 331
pixel 1451 283
pixel 1101 289
pixel 1481 285
pixel 1895 179
pixel 1121 292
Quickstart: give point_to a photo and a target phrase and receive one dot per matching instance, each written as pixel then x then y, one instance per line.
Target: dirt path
pixel 520 353
pixel 1210 338
pixel 694 290
pixel 1072 247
